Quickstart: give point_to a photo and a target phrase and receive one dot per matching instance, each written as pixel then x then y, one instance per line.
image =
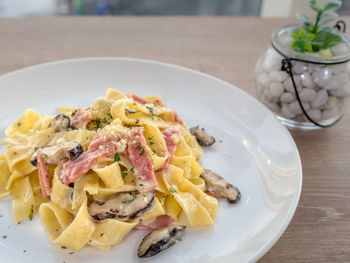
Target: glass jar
pixel 322 83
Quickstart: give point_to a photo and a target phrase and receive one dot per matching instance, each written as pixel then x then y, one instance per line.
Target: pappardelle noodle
pixel 94 174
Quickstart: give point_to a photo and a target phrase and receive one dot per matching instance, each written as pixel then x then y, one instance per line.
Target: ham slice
pixel 80 117
pixel 137 99
pixel 43 172
pixel 158 222
pixel 177 118
pixel 102 146
pixel 171 136
pixel 143 167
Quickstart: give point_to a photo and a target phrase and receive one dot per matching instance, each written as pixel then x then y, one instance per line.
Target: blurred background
pixel 263 8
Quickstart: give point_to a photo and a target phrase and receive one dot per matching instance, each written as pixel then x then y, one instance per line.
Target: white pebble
pixel 338 68
pixel 263 79
pixel 331 103
pixel 272 106
pixel 320 99
pixel 295 108
pixel 312 67
pixel 288 85
pixel 306 80
pixel 314 114
pixel 299 67
pixel 321 76
pixel 277 76
pixel 328 114
pixel 340 49
pixel 288 97
pixel 337 81
pixel 285 112
pixel 306 106
pixel 267 95
pixel 307 94
pixel 276 89
pixel 341 92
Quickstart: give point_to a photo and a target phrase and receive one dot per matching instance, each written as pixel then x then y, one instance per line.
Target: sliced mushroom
pixel 60 123
pixel 217 187
pixel 159 240
pixel 123 206
pixel 56 153
pixel 202 137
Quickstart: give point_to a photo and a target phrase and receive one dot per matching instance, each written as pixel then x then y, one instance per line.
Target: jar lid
pixel 281 40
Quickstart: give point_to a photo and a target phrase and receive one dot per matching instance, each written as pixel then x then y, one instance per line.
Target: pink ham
pixel 177 118
pixel 143 167
pixel 102 146
pixel 137 98
pixel 43 172
pixel 171 136
pixel 158 222
pixel 80 117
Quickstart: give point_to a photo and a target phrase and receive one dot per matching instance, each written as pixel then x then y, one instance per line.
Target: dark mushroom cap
pixel 60 123
pixel 202 137
pixel 55 153
pixel 159 240
pixel 122 206
pixel 217 187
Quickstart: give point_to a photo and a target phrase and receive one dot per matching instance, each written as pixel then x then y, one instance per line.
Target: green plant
pixel 317 36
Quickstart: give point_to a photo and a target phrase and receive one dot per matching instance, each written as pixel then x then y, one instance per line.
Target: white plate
pixel 253 151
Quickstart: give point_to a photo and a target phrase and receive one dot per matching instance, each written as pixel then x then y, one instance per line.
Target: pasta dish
pixel 95 173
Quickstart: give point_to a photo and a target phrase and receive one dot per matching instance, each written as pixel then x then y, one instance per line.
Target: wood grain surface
pixel 227 48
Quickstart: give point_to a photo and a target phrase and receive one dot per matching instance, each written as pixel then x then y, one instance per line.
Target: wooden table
pixel 227 48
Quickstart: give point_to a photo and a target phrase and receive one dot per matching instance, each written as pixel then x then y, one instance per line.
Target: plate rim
pixel 292 209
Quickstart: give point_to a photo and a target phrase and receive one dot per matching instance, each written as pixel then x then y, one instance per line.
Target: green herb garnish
pixel 129 201
pixel 63 247
pixel 104 120
pixel 132 169
pixel 137 121
pixel 110 115
pixel 101 235
pixel 71 253
pixel 74 112
pixel 36 148
pixel 117 157
pixel 172 190
pixel 31 214
pixel 4 237
pixel 124 174
pixel 141 184
pixel 97 123
pixel 317 36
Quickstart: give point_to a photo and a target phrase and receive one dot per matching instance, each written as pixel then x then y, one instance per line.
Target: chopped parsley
pixel 117 157
pixel 150 138
pixel 64 247
pixel 97 123
pixel 101 235
pixel 46 156
pixel 4 237
pixel 137 143
pixel 140 184
pixel 110 115
pixel 128 201
pixel 104 120
pixel 137 121
pixel 201 176
pixel 142 149
pixel 154 152
pixel 172 190
pixel 71 253
pixel 132 169
pixel 151 143
pixel 124 174
pixel 36 148
pixel 150 109
pixel 74 112
pixel 31 214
